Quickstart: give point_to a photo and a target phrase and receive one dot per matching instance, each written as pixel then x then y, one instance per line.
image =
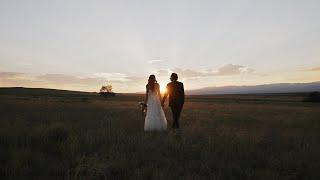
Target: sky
pixel 82 45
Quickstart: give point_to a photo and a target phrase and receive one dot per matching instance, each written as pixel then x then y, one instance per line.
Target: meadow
pixel 61 135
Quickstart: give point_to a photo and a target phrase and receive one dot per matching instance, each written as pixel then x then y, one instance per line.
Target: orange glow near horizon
pixel 162 88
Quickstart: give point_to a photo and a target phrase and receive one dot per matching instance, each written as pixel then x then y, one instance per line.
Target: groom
pixel 175 91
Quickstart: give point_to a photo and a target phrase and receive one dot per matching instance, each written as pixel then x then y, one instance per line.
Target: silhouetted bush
pixel 106 91
pixel 107 94
pixel 313 97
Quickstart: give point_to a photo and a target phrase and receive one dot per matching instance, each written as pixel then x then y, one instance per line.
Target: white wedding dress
pixel 155 117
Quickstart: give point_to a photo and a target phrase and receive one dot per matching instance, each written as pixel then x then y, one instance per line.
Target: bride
pixel 155 118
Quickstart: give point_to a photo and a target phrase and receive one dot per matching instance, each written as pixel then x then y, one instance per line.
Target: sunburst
pixel 163 88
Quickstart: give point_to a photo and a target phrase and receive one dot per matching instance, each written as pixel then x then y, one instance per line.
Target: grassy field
pixel 57 135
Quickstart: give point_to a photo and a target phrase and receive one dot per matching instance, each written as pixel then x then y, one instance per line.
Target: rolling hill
pixel 258 89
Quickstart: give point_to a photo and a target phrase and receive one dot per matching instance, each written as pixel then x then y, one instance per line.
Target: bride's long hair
pixel 152 82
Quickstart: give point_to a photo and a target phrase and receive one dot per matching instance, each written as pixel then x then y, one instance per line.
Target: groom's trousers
pixel 176 111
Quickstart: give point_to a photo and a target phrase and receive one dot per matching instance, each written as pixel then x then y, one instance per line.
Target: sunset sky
pixel 81 45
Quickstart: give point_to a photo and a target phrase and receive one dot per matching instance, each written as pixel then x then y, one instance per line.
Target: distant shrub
pixel 313 97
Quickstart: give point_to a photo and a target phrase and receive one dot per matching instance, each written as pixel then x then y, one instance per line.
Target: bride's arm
pixel 146 97
pixel 158 91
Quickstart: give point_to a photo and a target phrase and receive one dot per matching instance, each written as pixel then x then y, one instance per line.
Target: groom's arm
pixel 164 98
pixel 165 95
pixel 183 94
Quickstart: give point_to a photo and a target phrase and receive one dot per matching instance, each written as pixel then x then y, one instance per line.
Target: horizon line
pixel 74 90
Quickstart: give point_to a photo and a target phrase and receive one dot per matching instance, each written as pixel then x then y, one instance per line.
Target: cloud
pixel 16 79
pixel 69 80
pixel 156 61
pixel 112 76
pixel 232 69
pixel 11 75
pixel 226 70
pixel 60 81
pixel 121 82
pixel 163 73
pixel 188 73
pixel 314 69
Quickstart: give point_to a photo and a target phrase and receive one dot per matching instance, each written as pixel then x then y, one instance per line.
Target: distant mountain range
pixel 258 89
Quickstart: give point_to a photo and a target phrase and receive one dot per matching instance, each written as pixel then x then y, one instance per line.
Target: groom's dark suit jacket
pixel 175 90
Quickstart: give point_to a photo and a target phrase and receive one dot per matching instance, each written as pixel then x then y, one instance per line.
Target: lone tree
pixel 106 91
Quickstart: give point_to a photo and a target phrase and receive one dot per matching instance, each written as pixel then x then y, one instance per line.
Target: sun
pixel 162 88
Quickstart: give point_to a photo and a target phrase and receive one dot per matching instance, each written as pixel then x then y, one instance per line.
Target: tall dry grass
pixel 221 138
